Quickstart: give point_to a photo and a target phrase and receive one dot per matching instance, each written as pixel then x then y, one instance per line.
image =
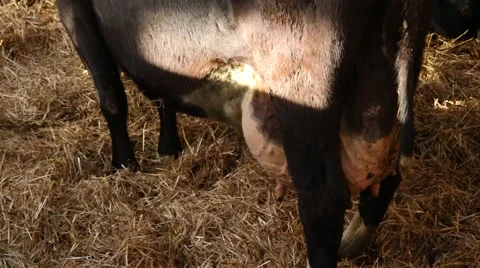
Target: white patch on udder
pixel 244 76
pixel 221 93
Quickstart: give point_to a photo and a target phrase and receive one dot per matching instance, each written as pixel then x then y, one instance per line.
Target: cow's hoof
pixel 169 150
pixel 164 159
pixel 356 238
pixel 131 165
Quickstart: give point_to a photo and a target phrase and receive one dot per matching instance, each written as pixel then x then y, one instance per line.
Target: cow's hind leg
pixel 80 22
pixel 370 213
pixel 371 210
pixel 169 141
pixel 321 206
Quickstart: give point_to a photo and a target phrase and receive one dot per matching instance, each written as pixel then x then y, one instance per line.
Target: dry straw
pixel 59 207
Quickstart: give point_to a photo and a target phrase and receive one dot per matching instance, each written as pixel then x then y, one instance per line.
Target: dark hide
pixel 453 18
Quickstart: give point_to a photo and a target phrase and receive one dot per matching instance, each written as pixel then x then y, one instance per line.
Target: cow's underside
pixel 315 84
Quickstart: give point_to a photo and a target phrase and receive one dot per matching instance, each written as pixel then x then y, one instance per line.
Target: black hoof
pixel 170 150
pixel 131 165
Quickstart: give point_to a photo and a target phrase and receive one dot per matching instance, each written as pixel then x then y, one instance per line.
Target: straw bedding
pixel 213 207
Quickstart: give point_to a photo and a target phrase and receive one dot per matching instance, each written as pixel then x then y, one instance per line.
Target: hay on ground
pixel 214 206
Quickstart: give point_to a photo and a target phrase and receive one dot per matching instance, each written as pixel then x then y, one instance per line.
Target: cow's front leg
pixel 168 142
pixel 80 22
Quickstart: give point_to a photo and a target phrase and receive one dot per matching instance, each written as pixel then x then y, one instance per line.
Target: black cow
pixel 452 18
pixel 323 91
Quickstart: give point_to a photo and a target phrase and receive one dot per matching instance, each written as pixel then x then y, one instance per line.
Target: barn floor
pixel 214 207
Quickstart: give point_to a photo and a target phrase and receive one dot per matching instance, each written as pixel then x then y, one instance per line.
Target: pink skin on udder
pixel 269 154
pixel 364 164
